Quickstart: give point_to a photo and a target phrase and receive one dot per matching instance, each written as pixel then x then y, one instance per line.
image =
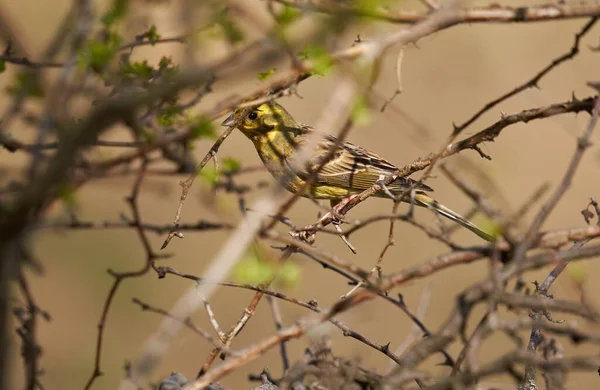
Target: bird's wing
pixel 353 167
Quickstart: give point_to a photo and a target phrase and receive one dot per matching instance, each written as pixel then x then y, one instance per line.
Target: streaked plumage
pixel 352 169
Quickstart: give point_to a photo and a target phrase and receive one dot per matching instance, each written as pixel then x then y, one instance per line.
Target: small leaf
pixel 164 63
pixel 203 128
pixel 231 30
pixel 167 115
pixel 252 270
pixel 231 165
pixel 98 53
pixel 289 274
pixel 2 66
pixel 262 76
pixel 360 112
pixel 577 272
pixel 167 68
pixel 366 6
pixel 489 226
pixel 116 12
pixel 152 35
pixel 25 83
pixel 66 194
pixel 287 15
pixel 140 69
pixel 210 176
pixel 322 62
pixel 149 137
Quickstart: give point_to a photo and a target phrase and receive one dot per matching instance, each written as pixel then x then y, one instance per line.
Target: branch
pixel 533 82
pixel 491 14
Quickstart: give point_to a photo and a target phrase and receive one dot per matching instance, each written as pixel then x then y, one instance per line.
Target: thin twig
pixel 187 322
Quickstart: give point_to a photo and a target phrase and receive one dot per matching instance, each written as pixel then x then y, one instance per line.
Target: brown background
pixel 446 78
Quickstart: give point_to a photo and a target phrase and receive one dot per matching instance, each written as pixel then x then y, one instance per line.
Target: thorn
pixel 401 299
pixel 595 85
pixel 386 348
pixel 577 338
pixel 482 153
pixel 447 362
pixel 7 51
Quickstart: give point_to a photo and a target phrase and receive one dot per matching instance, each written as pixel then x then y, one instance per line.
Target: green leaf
pixel 231 30
pixel 166 67
pixel 360 112
pixel 209 175
pixel 149 137
pixel 164 63
pixel 252 270
pixel 66 194
pixel 137 69
pixel 167 115
pixel 116 12
pixel 2 66
pixel 289 274
pixel 98 53
pixel 322 62
pixel 287 15
pixel 203 127
pixel 25 83
pixel 231 165
pixel 577 272
pixel 262 76
pixel 489 226
pixel 152 35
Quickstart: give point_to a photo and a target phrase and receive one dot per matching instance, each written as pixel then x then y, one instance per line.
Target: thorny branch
pixel 534 81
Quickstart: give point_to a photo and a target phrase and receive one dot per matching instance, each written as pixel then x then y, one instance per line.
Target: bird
pixel 350 169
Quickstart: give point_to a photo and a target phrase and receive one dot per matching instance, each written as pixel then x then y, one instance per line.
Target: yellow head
pixel 261 119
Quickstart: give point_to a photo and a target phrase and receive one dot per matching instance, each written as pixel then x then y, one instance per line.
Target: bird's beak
pixel 229 121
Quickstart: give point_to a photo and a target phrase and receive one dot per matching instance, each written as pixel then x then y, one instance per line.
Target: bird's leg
pixel 336 207
pixel 343 237
pixel 411 208
pixel 380 182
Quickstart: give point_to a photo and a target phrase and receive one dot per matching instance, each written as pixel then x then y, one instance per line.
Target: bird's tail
pixel 425 201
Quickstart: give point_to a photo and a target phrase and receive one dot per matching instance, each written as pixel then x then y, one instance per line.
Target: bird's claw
pixel 304 235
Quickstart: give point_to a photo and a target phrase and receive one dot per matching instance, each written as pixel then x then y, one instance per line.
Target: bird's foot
pixel 380 182
pixel 337 216
pixel 337 209
pixel 307 236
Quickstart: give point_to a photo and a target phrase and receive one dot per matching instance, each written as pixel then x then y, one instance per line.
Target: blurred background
pixel 446 78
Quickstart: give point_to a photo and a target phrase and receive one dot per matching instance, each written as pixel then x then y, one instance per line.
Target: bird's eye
pixel 253 115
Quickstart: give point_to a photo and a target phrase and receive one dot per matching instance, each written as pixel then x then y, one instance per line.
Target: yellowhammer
pixel 351 170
